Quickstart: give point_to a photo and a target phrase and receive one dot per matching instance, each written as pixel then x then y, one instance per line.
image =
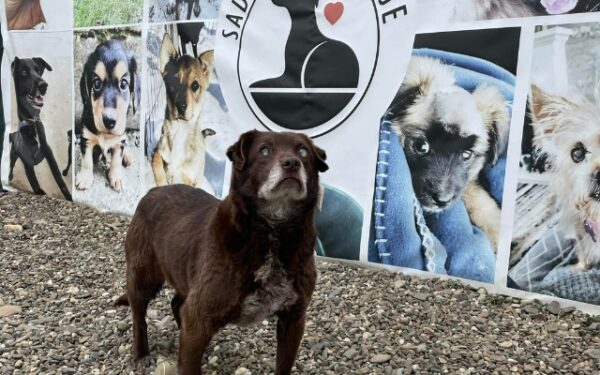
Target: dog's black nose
pixel 291 164
pixel 109 122
pixel 181 107
pixel 441 199
pixel 42 87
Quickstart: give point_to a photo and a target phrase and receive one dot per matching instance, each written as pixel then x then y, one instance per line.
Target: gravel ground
pixel 62 266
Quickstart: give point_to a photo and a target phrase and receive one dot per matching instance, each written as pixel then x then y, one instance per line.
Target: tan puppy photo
pixel 181 151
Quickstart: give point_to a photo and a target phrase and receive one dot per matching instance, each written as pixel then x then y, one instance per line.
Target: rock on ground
pixel 67 266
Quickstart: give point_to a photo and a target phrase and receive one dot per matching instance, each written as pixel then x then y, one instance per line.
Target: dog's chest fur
pixel 275 293
pixel 183 150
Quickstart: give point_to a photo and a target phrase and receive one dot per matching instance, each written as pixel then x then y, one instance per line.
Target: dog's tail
pixel 121 301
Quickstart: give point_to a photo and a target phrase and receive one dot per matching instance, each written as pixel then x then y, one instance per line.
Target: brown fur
pixel 230 261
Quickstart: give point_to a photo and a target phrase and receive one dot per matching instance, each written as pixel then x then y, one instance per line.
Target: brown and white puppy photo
pixel 180 154
pixel 175 10
pixel 107 118
pixel 236 261
pixel 187 125
pixel 458 131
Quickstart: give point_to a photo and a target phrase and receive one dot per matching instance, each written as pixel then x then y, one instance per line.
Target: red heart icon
pixel 333 12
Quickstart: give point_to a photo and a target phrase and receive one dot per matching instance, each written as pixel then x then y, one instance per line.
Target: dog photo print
pixel 442 153
pixel 107 139
pixel 439 12
pixel 555 247
pixel 36 143
pixel 187 129
pixel 175 10
pixel 39 14
pixel 107 12
pixel 320 68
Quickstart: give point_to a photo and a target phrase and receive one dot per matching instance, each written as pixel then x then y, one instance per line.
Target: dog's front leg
pixel 290 328
pixel 196 333
pixel 483 211
pixel 115 173
pixel 158 169
pixel 49 155
pixel 85 177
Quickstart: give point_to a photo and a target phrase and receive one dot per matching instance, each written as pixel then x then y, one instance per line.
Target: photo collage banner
pixel 462 136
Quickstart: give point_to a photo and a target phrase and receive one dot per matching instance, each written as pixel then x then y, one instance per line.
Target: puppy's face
pixel 108 86
pixel 568 132
pixel 278 171
pixel 30 87
pixel 447 133
pixel 186 80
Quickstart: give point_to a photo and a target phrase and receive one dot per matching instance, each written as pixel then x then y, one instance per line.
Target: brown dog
pixel 240 260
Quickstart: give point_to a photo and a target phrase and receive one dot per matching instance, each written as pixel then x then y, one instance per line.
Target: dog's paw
pixel 580 266
pixel 115 178
pixel 84 179
pixel 126 159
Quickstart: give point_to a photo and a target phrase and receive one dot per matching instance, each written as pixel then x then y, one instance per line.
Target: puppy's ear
pixel 84 84
pixel 496 119
pixel 238 152
pixel 207 59
pixel 134 85
pixel 41 62
pixel 14 62
pixel 167 52
pixel 546 107
pixel 404 98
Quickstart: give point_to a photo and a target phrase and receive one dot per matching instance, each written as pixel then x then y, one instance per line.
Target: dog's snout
pixel 181 107
pixel 109 122
pixel 42 87
pixel 441 199
pixel 290 164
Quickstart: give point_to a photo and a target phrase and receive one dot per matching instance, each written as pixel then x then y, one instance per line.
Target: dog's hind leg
pixel 47 151
pixel 189 10
pixel 176 304
pixel 13 160
pixel 70 155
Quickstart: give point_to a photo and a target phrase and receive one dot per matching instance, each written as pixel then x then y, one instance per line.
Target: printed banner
pixel 460 134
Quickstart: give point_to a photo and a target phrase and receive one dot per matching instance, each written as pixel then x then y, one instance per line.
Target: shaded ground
pixel 63 270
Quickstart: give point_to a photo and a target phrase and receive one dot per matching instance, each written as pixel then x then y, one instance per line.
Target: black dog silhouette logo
pixel 321 74
pixel 310 65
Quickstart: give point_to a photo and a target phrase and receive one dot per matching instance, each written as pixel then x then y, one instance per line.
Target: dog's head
pixel 109 85
pixel 186 80
pixel 30 87
pixel 567 130
pixel 448 133
pixel 278 173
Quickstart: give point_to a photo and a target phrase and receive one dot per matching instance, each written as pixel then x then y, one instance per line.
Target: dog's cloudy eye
pixel 303 152
pixel 124 84
pixel 421 146
pixel 264 151
pixel 97 84
pixel 578 153
pixel 195 85
pixel 24 72
pixel 467 154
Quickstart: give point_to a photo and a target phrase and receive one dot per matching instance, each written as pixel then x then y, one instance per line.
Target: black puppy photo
pixel 29 143
pixel 106 132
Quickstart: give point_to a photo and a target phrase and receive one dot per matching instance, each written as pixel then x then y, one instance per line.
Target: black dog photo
pixel 38 149
pixel 174 10
pixel 107 137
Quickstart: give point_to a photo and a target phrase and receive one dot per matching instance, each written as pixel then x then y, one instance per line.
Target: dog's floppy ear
pixel 167 52
pixel 41 62
pixel 405 97
pixel 207 60
pixel 321 156
pixel 84 84
pixel 496 119
pixel 238 152
pixel 134 85
pixel 12 65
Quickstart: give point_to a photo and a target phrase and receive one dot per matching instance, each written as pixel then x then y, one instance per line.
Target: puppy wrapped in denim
pixel 414 225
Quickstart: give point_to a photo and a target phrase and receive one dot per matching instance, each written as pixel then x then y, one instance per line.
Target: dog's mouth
pixel 36 100
pixel 290 181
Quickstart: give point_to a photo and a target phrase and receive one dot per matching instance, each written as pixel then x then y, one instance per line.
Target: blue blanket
pixel 445 243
